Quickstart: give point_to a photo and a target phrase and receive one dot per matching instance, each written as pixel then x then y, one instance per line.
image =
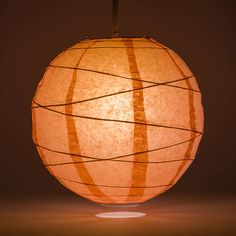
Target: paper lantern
pixel 117 120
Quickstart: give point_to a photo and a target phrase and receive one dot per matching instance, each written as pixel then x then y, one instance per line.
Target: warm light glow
pixel 120 214
pixel 118 120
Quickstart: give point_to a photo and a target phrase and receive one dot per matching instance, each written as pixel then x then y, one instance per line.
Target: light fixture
pixel 117 120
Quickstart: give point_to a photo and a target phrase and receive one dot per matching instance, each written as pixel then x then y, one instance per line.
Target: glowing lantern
pixel 117 120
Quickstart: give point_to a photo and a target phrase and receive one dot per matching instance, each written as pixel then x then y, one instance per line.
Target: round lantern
pixel 117 120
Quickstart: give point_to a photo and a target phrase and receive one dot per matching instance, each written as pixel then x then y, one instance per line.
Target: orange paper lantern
pixel 117 120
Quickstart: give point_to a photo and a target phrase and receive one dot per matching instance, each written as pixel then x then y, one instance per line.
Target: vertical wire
pixel 115 5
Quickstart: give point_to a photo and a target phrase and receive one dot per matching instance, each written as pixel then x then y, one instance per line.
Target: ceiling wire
pixel 115 6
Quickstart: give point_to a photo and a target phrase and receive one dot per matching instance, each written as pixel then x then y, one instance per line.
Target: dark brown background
pixel 35 32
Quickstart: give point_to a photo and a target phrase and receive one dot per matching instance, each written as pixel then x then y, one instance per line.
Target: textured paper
pixel 117 120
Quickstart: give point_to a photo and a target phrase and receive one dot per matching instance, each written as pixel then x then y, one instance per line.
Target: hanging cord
pixel 115 6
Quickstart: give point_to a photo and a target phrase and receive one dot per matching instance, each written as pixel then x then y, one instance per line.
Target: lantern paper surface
pixel 117 120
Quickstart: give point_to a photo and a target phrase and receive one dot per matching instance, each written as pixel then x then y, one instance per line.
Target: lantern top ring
pixel 118 35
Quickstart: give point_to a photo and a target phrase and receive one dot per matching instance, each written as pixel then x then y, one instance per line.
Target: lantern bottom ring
pixel 119 205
